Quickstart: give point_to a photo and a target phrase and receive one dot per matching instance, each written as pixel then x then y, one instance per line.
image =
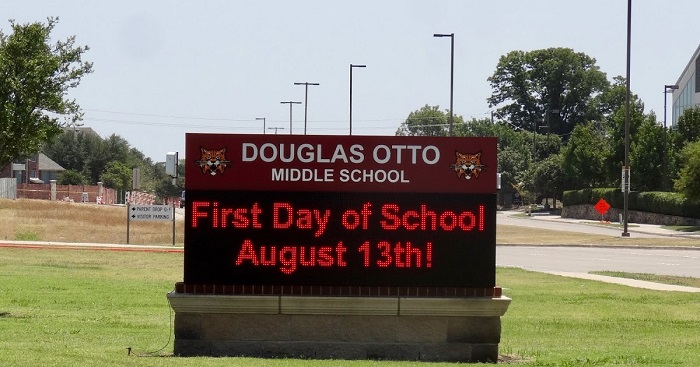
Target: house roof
pixel 47 164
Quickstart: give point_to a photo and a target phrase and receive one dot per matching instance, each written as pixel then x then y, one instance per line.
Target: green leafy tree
pixel 69 149
pixel 616 139
pixel 91 148
pixel 686 130
pixel 584 157
pixel 688 127
pixel 35 76
pixel 530 86
pixel 428 121
pixel 165 187
pixel 88 153
pixel 688 182
pixel 548 177
pixel 611 99
pixel 117 176
pixel 71 177
pixel 512 163
pixel 649 169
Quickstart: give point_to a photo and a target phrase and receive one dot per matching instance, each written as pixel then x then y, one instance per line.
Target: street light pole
pixel 290 103
pixel 452 71
pixel 306 97
pixel 626 168
pixel 664 172
pixel 263 120
pixel 667 88
pixel 352 66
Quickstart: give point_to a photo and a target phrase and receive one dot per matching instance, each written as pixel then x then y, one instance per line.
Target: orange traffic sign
pixel 602 206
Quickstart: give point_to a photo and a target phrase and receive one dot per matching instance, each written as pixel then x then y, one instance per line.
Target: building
pixel 37 169
pixel 688 93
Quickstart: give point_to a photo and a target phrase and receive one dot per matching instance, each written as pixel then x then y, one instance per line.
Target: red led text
pixel 222 217
pixel 397 255
pixel 289 258
pixel 426 219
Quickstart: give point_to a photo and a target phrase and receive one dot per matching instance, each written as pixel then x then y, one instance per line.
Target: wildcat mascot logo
pixel 468 165
pixel 213 161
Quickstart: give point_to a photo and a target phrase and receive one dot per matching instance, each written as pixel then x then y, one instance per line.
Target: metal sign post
pixel 173 222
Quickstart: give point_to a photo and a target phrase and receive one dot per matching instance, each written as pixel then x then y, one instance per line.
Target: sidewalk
pixel 628 282
pixel 631 227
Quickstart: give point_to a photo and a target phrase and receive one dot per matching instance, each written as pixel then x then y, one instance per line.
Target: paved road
pixel 681 262
pixel 575 225
pixel 576 261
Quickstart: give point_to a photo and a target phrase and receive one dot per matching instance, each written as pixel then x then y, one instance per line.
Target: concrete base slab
pixel 456 330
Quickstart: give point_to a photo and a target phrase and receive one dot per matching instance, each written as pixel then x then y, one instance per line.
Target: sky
pixel 166 68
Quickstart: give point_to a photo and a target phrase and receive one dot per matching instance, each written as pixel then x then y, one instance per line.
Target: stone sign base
pixel 396 328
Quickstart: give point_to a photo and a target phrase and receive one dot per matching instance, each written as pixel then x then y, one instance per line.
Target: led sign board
pixel 287 210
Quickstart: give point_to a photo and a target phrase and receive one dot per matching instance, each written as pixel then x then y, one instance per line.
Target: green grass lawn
pixel 85 308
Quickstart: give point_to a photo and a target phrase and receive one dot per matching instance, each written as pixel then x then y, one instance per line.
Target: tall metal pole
pixel 626 168
pixel 352 66
pixel 452 78
pixel 263 120
pixel 350 99
pixel 665 98
pixel 664 172
pixel 452 72
pixel 667 88
pixel 306 98
pixel 290 103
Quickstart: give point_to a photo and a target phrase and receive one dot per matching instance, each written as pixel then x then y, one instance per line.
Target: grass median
pixel 86 307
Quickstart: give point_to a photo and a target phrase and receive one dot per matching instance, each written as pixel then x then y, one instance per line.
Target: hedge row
pixel 669 203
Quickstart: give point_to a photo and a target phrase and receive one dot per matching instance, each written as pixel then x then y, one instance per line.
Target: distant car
pixel 182 200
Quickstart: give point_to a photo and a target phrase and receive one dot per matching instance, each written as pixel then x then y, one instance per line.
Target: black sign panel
pixel 340 238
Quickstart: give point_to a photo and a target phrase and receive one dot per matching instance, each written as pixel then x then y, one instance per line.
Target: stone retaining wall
pixel 633 216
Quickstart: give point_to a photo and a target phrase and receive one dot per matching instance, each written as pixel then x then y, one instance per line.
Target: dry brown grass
pixel 41 220
pixel 58 221
pixel 515 235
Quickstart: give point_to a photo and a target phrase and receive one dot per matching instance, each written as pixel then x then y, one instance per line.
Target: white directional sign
pixel 151 212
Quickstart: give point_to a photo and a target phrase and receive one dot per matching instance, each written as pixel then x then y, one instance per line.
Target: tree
pixel 612 99
pixel 164 187
pixel 647 157
pixel 117 176
pixel 531 86
pixel 689 181
pixel 688 126
pixel 548 178
pixel 616 140
pixel 71 177
pixel 584 157
pixel 34 78
pixel 428 121
pixel 512 163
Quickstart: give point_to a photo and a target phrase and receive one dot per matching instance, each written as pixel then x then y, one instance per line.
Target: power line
pixel 241 120
pixel 167 124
